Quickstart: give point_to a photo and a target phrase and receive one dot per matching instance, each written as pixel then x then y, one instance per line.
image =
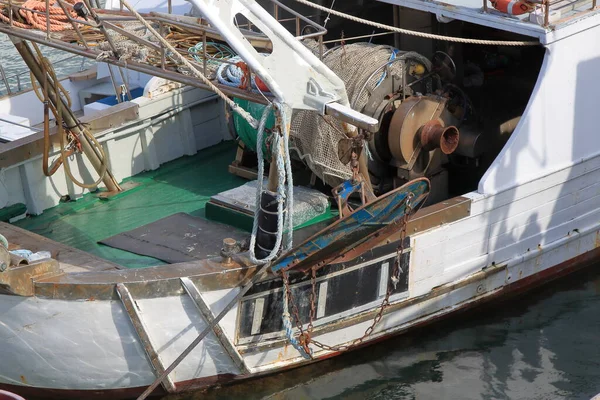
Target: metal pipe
pixel 396 15
pixel 67 115
pixel 33 128
pixel 335 109
pixel 114 83
pixel 8 91
pixel 101 27
pixel 77 30
pixel 47 19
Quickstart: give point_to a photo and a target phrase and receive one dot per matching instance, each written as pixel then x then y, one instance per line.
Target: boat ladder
pixel 158 368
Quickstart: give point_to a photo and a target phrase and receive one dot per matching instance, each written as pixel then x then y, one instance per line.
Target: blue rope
pixel 217 52
pixel 392 57
pixel 229 74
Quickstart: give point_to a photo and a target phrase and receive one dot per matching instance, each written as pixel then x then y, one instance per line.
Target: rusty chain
pixel 305 335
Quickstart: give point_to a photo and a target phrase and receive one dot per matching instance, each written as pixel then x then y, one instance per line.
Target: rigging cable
pixel 417 33
pixel 175 54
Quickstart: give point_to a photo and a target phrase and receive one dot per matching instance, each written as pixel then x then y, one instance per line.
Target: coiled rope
pixel 60 92
pixel 235 73
pixel 55 19
pixel 214 52
pixel 175 54
pixel 416 33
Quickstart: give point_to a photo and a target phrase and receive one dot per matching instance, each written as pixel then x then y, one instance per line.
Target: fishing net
pixel 126 48
pixel 314 137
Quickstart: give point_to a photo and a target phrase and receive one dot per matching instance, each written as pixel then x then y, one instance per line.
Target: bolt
pixel 229 245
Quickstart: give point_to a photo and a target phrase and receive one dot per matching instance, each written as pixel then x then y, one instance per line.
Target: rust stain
pixel 23 379
pixel 28 327
pixel 597 241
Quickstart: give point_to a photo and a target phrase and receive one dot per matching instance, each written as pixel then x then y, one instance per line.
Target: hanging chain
pixel 305 335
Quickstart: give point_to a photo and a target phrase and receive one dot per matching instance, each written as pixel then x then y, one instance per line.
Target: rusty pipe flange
pixel 435 135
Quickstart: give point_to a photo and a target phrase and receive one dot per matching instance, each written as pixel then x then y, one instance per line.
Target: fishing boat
pixel 372 187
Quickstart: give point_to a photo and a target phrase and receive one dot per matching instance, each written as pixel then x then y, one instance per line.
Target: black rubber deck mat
pixel 177 238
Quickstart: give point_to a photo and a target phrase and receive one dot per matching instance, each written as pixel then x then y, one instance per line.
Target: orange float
pixel 513 7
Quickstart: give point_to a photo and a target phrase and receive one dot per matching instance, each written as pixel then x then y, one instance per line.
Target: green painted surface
pixel 247 133
pixel 245 222
pixel 13 211
pixel 183 185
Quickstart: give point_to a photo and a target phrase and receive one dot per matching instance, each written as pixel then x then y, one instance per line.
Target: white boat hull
pixel 535 217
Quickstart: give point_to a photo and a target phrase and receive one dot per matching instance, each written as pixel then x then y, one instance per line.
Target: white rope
pixel 416 33
pixel 243 113
pixel 285 185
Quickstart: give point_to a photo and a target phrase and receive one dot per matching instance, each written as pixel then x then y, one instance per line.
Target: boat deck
pixel 182 185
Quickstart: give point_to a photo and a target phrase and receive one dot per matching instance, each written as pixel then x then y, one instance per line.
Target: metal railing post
pixel 5 80
pixel 47 19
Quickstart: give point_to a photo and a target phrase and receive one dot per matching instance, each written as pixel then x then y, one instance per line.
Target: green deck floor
pixel 183 185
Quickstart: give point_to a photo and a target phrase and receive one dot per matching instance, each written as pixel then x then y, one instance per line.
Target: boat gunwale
pixel 209 274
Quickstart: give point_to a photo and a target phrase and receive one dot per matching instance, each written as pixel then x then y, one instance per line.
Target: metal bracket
pixel 317 97
pixel 314 86
pixel 289 57
pixel 343 192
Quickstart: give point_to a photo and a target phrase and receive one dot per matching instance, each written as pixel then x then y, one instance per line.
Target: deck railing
pixel 547 6
pixel 87 32
pixel 22 83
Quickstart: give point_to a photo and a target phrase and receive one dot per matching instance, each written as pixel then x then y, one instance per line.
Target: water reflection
pixel 543 345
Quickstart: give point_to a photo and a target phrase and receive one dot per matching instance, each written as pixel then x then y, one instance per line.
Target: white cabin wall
pixel 543 186
pixel 27 105
pixel 197 122
pixel 516 222
pixel 179 6
pixel 560 124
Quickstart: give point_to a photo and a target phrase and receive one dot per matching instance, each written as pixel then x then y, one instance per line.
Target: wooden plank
pixel 85 75
pixel 32 146
pixel 206 312
pixel 155 361
pixel 70 259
